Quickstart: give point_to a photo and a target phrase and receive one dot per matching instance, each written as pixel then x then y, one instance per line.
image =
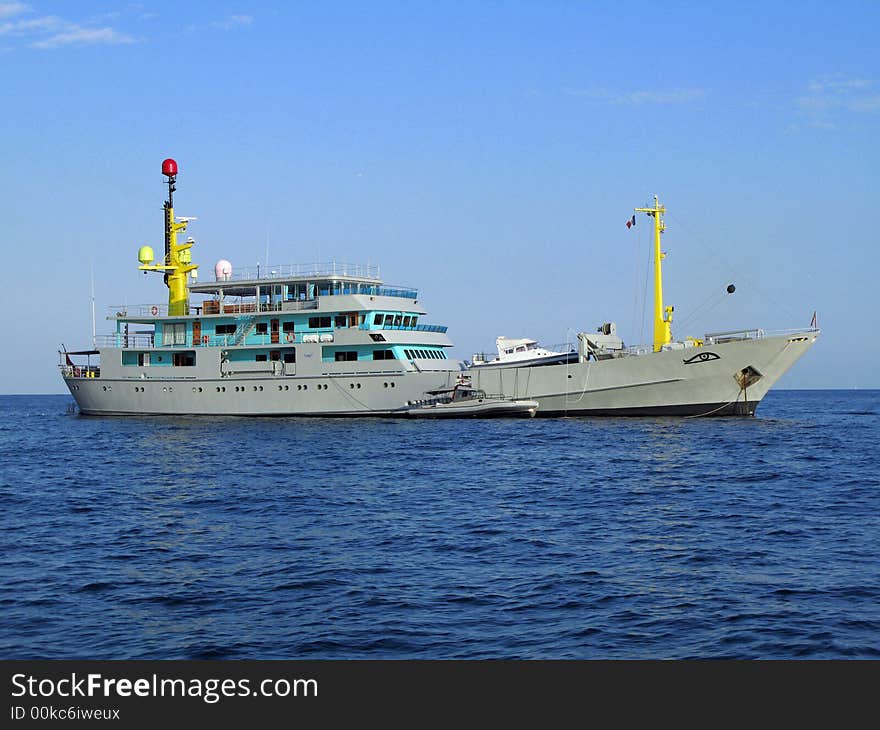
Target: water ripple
pixel 566 538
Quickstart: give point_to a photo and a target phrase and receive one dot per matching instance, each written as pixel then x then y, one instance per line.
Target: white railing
pixel 141 339
pixel 145 340
pixel 325 268
pixel 121 311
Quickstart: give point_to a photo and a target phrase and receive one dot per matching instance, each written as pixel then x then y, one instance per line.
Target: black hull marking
pixel 685 409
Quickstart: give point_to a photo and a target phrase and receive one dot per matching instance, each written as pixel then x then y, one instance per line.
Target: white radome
pixel 223 270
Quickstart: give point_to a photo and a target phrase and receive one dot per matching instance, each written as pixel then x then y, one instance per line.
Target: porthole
pixel 385 385
pixel 218 388
pixel 358 385
pixel 286 387
pixel 392 385
pixel 350 385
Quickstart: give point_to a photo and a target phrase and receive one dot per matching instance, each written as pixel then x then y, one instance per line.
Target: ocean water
pixel 165 538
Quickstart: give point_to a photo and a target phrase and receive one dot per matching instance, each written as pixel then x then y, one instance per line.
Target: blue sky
pixel 487 153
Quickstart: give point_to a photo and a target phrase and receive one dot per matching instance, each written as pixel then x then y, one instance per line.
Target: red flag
pixel 631 222
pixel 69 361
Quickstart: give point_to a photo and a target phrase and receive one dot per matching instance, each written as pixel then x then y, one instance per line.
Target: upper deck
pixel 290 288
pixel 303 281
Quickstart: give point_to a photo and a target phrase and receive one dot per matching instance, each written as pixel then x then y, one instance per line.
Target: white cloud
pixel 7 10
pixel 50 31
pixel 673 96
pixel 642 96
pixel 47 23
pixel 233 21
pixel 832 95
pixel 80 36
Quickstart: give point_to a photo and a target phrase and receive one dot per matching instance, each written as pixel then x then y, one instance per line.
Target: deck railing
pixel 316 269
pixel 413 328
pixel 148 341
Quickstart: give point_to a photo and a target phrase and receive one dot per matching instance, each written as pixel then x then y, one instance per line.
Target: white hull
pixel 654 384
pixel 660 383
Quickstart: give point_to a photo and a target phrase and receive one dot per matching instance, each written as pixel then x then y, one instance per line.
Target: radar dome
pixel 145 255
pixel 223 270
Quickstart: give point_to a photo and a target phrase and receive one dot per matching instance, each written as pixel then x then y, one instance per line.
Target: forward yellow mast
pixel 178 258
pixel 662 315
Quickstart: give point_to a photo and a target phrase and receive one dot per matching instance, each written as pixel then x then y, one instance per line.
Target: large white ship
pixel 334 340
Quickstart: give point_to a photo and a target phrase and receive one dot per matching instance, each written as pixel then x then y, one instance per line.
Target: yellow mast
pixel 662 316
pixel 178 258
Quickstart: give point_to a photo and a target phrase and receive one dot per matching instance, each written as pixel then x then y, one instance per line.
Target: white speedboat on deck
pixel 522 352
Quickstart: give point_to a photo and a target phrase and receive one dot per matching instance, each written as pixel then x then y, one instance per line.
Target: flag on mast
pixel 631 222
pixel 813 321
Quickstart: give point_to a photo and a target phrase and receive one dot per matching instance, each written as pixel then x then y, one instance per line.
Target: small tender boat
pixel 523 352
pixel 463 401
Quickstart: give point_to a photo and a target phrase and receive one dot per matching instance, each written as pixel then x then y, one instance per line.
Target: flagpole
pixel 94 331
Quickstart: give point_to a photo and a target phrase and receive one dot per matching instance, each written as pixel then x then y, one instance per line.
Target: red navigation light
pixel 169 167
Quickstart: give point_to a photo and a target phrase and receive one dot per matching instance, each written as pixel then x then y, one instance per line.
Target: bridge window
pixel 340 320
pixel 378 318
pixel 406 321
pixel 319 322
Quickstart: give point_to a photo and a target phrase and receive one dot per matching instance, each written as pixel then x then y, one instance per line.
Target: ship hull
pixel 691 382
pixel 704 381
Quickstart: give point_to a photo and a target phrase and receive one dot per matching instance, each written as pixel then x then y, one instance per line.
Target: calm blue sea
pixel 168 538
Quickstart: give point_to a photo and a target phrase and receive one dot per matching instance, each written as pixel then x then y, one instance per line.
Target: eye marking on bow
pixel 702 357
